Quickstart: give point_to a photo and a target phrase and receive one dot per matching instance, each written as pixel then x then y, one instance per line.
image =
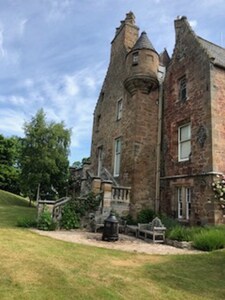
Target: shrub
pixel 70 219
pixel 209 240
pixel 181 233
pixel 92 202
pixel 177 233
pixel 145 215
pixel 26 223
pixel 45 221
pixel 168 222
pixel 87 204
pixel 129 220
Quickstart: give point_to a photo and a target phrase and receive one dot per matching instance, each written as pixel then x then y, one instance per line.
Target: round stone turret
pixel 142 66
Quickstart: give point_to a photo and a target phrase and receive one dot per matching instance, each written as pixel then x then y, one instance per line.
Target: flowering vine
pixel 218 187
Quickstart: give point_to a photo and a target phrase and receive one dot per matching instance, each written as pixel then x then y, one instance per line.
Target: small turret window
pixel 135 58
pixel 183 89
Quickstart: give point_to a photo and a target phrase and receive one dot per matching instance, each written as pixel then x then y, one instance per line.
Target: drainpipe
pixel 161 75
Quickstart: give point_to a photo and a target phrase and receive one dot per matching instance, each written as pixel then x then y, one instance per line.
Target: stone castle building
pixel 159 124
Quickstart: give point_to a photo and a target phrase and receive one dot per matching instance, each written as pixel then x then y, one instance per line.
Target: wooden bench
pixel 98 226
pixel 154 230
pixel 131 229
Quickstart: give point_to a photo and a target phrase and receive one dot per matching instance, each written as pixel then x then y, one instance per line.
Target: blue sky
pixel 54 54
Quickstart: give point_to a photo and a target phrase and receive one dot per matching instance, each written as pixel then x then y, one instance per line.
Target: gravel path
pixel 125 242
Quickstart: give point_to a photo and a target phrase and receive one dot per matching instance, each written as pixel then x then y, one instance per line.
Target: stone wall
pixel 106 127
pixel 218 118
pixel 190 60
pixel 138 125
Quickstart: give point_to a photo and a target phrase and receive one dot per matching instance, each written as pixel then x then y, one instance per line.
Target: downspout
pixel 161 75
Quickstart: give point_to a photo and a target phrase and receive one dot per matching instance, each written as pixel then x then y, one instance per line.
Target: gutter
pixel 161 76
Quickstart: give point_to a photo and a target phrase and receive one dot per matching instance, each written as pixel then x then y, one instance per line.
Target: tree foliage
pixel 9 168
pixel 44 160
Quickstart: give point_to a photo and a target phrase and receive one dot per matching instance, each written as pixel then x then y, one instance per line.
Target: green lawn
pixel 38 267
pixel 13 208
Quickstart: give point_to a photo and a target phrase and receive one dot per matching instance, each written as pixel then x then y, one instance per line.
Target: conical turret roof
pixel 143 43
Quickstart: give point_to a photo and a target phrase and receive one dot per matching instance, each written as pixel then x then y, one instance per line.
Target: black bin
pixel 111 229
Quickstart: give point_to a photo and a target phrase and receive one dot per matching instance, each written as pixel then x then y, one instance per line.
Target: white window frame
pixel 117 157
pixel 188 202
pixel 119 109
pixel 182 142
pixel 183 203
pixel 179 203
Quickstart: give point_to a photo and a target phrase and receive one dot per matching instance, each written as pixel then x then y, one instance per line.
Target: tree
pixel 9 168
pixel 44 159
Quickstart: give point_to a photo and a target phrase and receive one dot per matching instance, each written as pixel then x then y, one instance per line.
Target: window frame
pixel 183 89
pixel 182 142
pixel 184 202
pixel 179 203
pixel 188 202
pixel 117 156
pixel 119 109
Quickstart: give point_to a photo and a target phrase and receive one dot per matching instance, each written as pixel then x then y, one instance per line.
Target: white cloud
pixel 13 100
pixel 164 19
pixel 90 82
pixel 28 82
pixel 193 23
pixel 22 25
pixel 70 98
pixel 2 50
pixel 59 9
pixel 11 122
pixel 212 3
pixel 71 87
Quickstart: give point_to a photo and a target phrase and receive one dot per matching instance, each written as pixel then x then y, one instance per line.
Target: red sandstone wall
pixel 108 129
pixel 218 118
pixel 191 60
pixel 137 127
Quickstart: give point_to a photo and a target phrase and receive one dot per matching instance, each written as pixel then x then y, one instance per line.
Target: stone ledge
pixel 178 244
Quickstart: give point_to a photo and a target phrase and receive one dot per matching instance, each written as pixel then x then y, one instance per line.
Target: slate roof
pixel 214 51
pixel 143 43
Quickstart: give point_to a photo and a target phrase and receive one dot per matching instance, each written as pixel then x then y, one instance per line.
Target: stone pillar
pixel 96 185
pixel 107 193
pixel 86 166
pixel 106 188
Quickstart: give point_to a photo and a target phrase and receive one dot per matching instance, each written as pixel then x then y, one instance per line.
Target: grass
pixel 14 208
pixel 38 267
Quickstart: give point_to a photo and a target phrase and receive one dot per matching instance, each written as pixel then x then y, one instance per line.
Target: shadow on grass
pixel 201 275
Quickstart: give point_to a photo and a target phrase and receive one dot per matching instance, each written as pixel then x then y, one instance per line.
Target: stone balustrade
pixel 121 194
pixel 55 207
